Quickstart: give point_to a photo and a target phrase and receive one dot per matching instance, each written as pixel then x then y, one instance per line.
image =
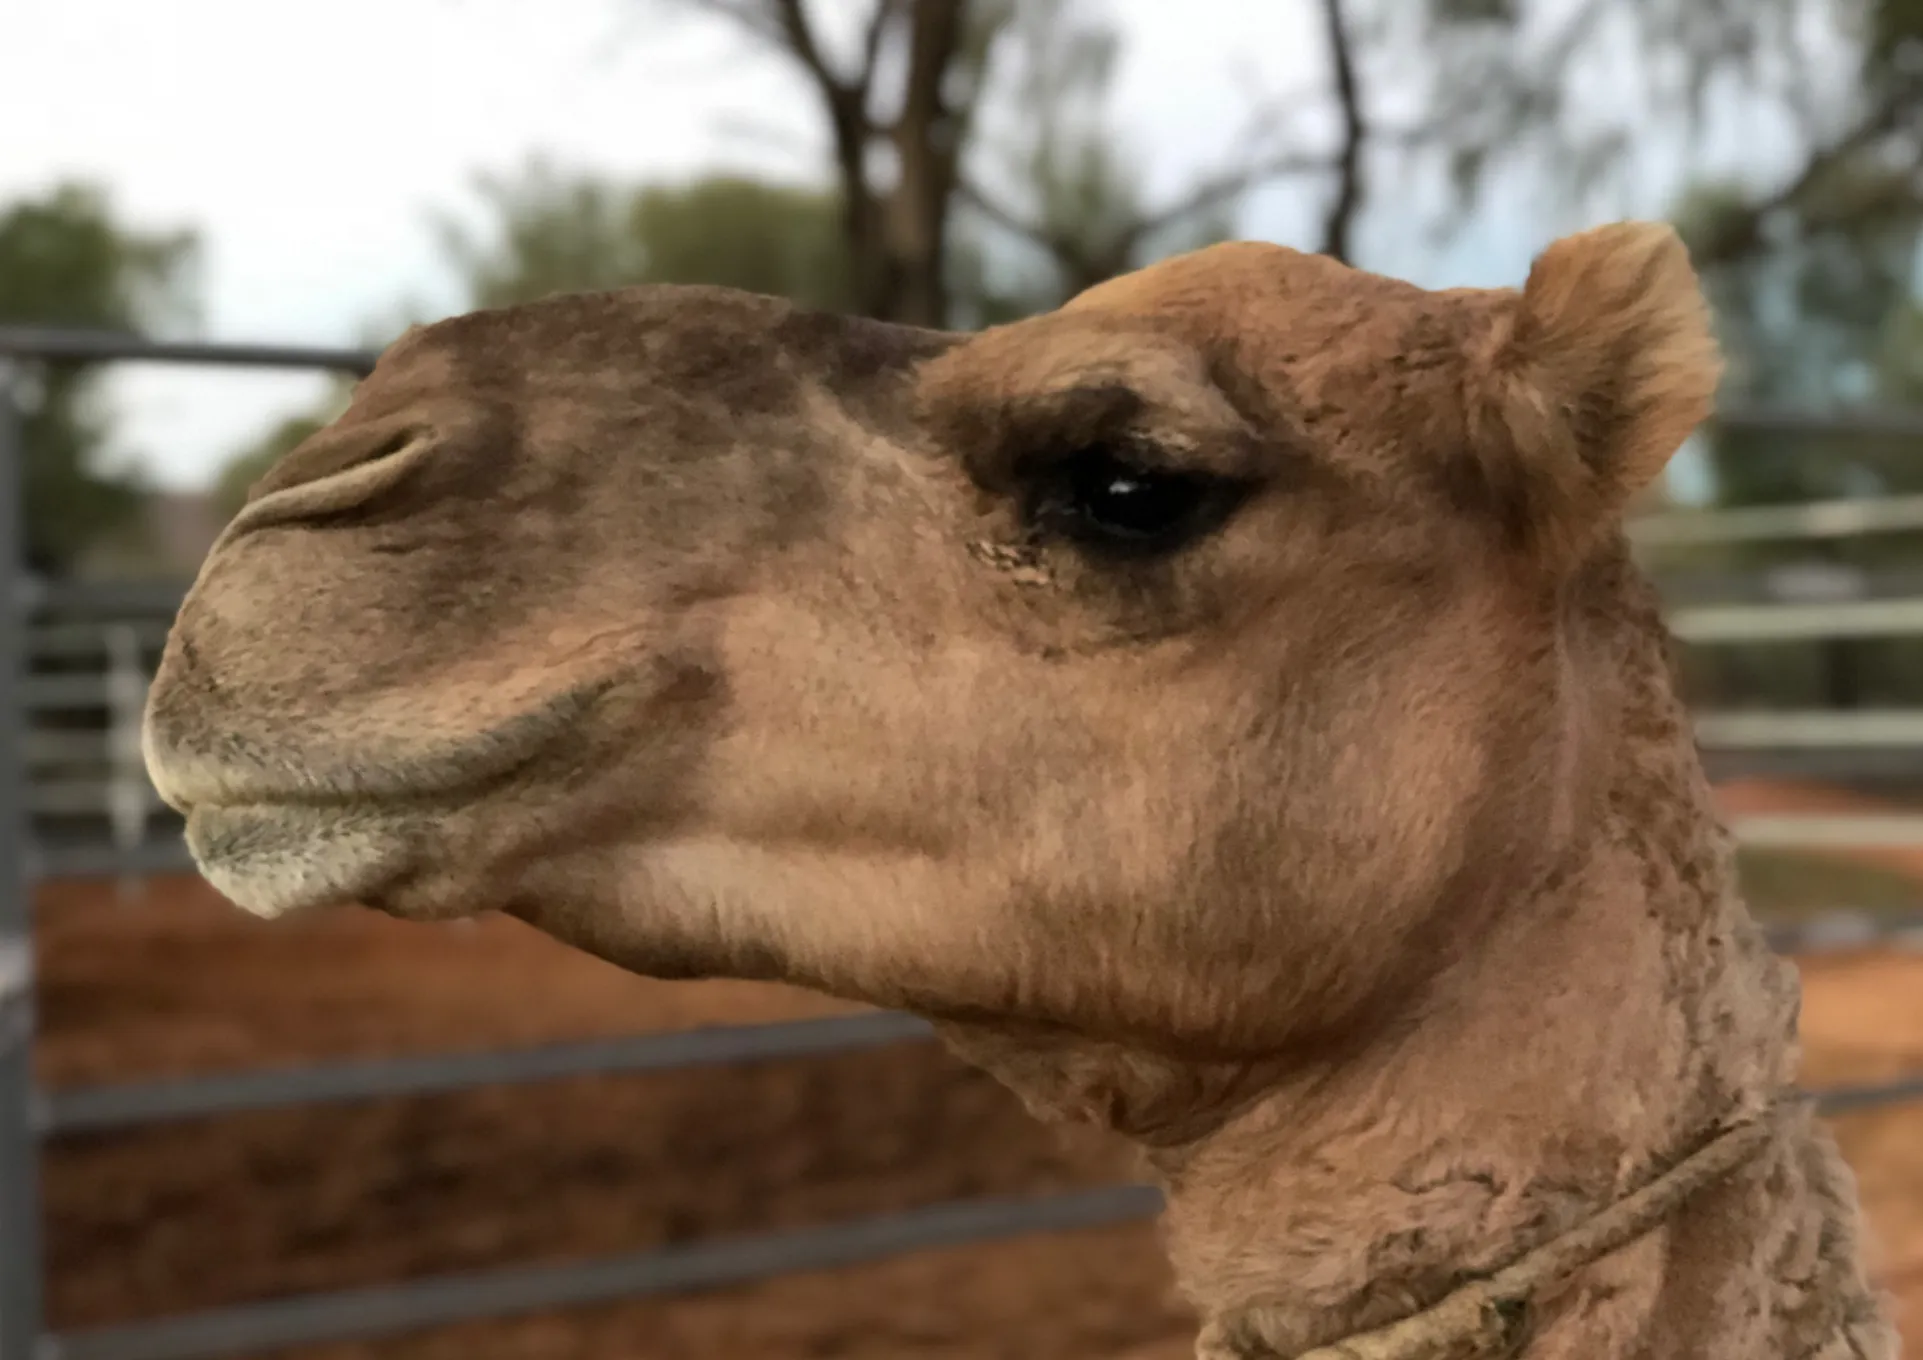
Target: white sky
pixel 311 143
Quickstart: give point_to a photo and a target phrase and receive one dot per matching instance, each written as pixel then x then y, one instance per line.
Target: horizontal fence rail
pixel 103 601
pixel 1763 523
pixel 114 1107
pixel 252 1328
pixel 92 860
pixel 1864 727
pixel 350 1315
pixel 1797 622
pixel 63 345
pixel 1848 930
pixel 97 775
pixel 100 1109
pixel 92 772
pixel 80 345
pixel 1842 831
pixel 1839 1100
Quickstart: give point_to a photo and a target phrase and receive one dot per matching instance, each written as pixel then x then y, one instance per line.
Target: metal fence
pixel 21 1107
pixel 132 619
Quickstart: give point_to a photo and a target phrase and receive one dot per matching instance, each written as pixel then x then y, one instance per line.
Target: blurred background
pixel 321 176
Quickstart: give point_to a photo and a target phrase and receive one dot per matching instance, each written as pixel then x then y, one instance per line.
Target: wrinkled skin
pixel 724 639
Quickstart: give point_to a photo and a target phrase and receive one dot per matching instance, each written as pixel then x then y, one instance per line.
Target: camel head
pixel 1195 667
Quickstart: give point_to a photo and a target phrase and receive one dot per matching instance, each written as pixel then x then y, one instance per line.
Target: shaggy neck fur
pixel 1591 1041
pixel 1490 1315
pixel 1594 1040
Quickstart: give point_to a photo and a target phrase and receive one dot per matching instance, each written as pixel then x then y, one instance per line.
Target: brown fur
pixel 1355 860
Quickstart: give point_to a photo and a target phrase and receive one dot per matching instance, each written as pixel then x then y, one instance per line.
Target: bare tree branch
pixel 799 36
pixel 1084 262
pixel 1741 233
pixel 894 225
pixel 1216 190
pixel 1481 107
pixel 927 142
pixel 1338 227
pixel 1249 171
pixel 878 22
pixel 753 19
pixel 997 211
pixel 784 25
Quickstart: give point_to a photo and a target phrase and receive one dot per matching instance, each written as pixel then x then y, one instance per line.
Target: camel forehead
pixel 733 351
pixel 1268 303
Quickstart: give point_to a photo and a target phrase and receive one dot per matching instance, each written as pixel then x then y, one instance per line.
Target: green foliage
pixel 553 234
pixel 1814 290
pixel 1815 318
pixel 1894 42
pixel 64 261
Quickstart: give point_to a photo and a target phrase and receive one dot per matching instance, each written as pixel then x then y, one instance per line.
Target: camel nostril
pixel 337 469
pixel 332 450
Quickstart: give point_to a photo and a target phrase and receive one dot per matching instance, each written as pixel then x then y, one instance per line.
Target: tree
pixel 1054 177
pixel 898 117
pixel 65 261
pixel 553 233
pixel 902 109
pixel 1813 269
pixel 977 174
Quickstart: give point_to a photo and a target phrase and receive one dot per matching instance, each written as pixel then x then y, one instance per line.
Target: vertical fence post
pixel 129 793
pixel 20 1296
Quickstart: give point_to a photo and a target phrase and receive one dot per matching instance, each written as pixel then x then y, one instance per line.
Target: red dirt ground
pixel 198 1215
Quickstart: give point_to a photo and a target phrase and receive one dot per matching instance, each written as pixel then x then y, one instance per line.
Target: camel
pixel 1224 705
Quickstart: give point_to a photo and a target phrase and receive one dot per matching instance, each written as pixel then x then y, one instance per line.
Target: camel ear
pixel 1608 364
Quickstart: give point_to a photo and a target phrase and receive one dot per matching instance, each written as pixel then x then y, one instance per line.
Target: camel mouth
pixel 274 859
pixel 190 770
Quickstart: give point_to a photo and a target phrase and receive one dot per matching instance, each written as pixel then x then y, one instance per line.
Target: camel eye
pixel 1104 501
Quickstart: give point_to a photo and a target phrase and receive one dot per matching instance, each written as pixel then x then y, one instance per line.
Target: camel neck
pixel 1491 1315
pixel 1588 1054
pixel 1560 1042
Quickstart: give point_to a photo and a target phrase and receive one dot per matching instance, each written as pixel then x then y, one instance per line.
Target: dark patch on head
pixel 1495 490
pixel 1436 336
pixel 1000 442
pixel 852 353
pixel 719 342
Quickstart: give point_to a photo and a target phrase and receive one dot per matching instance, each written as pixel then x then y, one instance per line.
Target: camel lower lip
pixel 274 859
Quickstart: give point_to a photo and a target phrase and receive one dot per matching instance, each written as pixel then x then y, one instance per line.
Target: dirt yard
pixel 198 1215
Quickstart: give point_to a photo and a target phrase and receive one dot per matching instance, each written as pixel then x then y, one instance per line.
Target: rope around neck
pixel 1486 1317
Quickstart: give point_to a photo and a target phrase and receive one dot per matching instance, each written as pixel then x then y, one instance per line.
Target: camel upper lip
pixel 266 775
